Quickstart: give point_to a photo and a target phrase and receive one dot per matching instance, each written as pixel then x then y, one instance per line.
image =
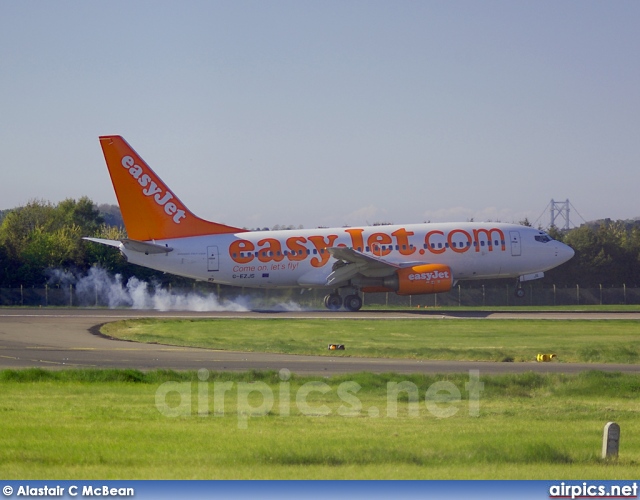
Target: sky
pixel 329 113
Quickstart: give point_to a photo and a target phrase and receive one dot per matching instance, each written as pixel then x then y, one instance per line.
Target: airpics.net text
pixel 442 399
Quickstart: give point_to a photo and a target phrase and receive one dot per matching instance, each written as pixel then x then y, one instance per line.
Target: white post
pixel 611 440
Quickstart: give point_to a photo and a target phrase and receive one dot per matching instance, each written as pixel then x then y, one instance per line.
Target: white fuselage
pixel 298 258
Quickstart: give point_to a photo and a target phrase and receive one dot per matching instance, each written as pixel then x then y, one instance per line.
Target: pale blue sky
pixel 259 113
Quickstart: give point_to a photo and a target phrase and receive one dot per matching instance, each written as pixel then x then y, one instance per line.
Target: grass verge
pixel 606 341
pixel 113 424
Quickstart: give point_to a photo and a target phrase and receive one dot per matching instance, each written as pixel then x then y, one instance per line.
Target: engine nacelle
pixel 425 278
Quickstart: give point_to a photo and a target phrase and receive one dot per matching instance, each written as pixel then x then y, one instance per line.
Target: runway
pixel 69 338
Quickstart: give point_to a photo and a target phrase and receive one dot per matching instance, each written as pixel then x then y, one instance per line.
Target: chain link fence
pixel 219 296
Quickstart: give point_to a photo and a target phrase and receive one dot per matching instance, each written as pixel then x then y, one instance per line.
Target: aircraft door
pixel 516 247
pixel 212 258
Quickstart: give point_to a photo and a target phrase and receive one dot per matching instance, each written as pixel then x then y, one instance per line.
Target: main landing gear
pixel 334 301
pixel 519 291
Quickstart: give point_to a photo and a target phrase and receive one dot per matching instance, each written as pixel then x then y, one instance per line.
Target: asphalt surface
pixel 69 338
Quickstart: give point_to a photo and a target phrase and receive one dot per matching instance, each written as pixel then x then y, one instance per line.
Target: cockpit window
pixel 543 238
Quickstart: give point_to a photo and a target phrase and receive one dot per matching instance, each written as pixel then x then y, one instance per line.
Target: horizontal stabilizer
pixel 145 247
pixel 111 243
pixel 134 245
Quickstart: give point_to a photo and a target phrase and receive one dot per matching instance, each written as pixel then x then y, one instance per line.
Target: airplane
pixel 410 259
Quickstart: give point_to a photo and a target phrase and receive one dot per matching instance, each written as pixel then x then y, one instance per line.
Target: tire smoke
pixel 98 287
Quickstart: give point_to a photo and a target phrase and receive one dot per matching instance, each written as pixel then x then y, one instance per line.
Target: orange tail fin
pixel 149 209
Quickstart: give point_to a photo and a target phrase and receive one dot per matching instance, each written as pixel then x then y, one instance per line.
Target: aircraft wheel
pixel 352 302
pixel 520 292
pixel 333 302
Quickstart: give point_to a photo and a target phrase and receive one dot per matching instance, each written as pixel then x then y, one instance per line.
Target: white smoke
pixel 98 287
pixel 289 306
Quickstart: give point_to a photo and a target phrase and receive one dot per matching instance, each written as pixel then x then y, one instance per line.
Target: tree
pixel 40 236
pixel 525 222
pixel 111 215
pixel 607 254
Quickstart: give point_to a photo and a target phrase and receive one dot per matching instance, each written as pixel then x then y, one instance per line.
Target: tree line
pixel 41 236
pixel 607 254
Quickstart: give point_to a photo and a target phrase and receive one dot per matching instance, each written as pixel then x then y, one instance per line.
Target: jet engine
pixel 415 280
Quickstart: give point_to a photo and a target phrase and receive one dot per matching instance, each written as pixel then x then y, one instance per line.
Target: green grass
pixel 91 424
pixel 522 308
pixel 549 308
pixel 606 341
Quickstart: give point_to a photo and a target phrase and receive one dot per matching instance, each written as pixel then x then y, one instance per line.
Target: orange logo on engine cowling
pixel 428 276
pixel 425 278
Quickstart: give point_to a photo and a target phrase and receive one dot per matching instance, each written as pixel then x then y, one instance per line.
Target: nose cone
pixel 564 252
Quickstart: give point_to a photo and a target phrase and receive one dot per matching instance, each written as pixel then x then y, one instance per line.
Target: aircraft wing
pixel 352 262
pixel 353 256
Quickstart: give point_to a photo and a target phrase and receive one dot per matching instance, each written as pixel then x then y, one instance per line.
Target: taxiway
pixel 70 338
